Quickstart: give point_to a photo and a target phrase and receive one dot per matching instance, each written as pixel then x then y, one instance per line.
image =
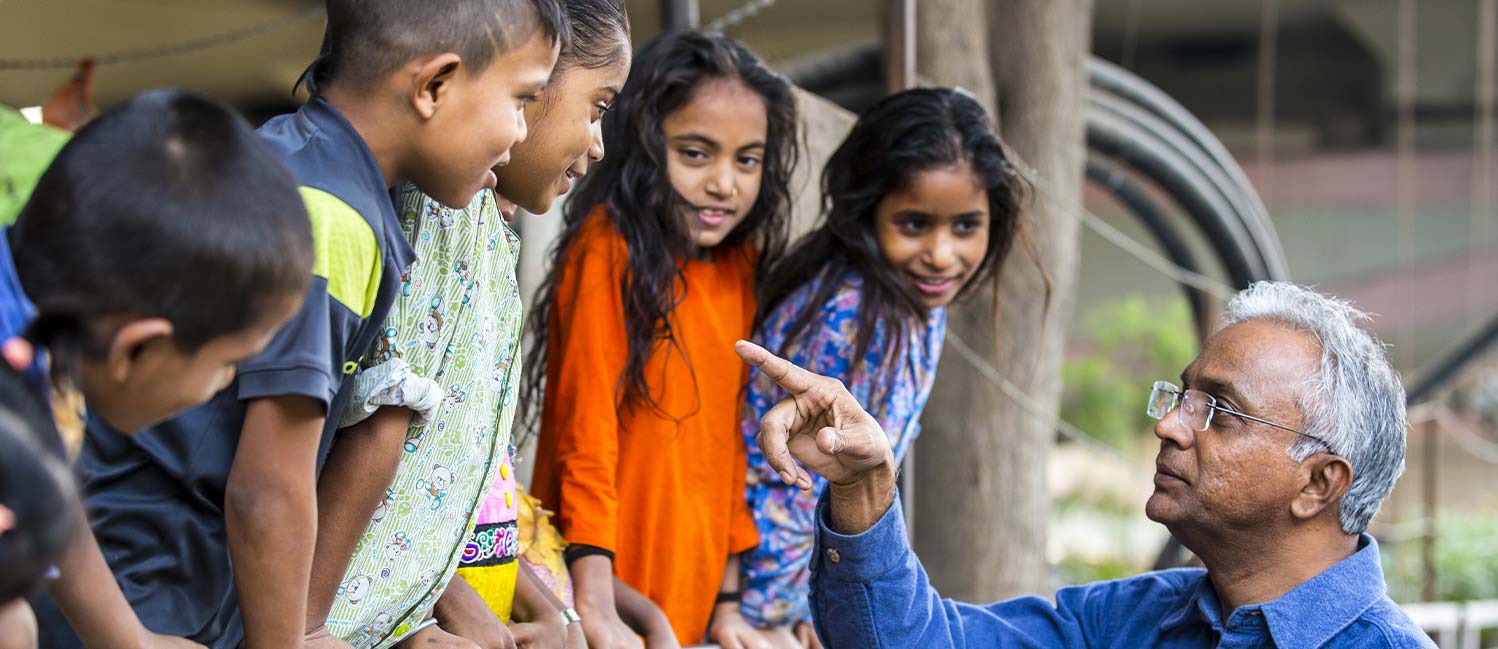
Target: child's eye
pixel 602 109
pixel 693 155
pixel 965 228
pixel 748 161
pixel 912 227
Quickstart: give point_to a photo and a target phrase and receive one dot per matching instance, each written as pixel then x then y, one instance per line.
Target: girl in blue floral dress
pixel 921 208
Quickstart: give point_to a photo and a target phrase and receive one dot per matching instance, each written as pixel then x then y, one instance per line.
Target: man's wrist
pixel 856 506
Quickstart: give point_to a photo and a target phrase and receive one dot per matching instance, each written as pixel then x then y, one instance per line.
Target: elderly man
pixel 1286 434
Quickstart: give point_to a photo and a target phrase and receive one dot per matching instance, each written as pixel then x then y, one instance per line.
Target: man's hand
pixel 819 423
pixel 823 426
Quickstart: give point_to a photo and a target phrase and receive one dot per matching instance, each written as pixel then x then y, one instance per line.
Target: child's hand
pixel 605 630
pixel 17 352
pixel 808 636
pixel 576 638
pixel 662 638
pixel 731 631
pixel 546 633
pixel 158 641
pixel 321 639
pixel 434 637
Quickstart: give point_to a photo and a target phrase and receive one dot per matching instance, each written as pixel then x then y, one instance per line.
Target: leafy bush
pixel 1124 346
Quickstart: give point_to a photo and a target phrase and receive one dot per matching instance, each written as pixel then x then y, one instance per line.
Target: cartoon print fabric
pixel 458 323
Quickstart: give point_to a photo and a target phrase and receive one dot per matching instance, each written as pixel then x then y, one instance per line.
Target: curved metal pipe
pixel 1111 178
pixel 1114 136
pixel 1112 78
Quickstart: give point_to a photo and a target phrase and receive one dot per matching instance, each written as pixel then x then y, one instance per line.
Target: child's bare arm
pixel 88 596
pixel 270 510
pixel 537 613
pixel 643 616
pixel 359 468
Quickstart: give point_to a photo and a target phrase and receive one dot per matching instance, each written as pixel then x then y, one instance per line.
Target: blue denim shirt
pixel 870 591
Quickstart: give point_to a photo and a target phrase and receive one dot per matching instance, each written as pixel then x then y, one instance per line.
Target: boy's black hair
pixel 168 206
pixel 34 485
pixel 634 186
pixel 903 135
pixel 367 39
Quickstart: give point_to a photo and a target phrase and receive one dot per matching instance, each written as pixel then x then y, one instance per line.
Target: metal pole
pixel 679 14
pixel 899 45
pixel 1432 502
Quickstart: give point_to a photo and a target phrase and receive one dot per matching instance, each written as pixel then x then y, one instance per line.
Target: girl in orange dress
pixel 652 282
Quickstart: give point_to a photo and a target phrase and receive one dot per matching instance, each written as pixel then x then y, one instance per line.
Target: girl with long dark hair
pixel 921 208
pixel 652 281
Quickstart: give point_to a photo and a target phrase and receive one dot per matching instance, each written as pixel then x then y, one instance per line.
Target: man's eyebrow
pixel 1220 388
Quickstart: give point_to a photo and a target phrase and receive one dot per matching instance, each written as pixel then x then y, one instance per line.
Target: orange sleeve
pixel 588 353
pixel 743 534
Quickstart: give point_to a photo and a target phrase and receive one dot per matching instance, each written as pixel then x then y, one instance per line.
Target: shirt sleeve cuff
pixel 577 551
pixel 296 381
pixel 862 557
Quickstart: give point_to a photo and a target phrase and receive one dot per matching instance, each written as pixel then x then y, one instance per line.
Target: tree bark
pixel 981 501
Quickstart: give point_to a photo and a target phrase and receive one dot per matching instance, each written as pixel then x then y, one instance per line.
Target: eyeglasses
pixel 1197 408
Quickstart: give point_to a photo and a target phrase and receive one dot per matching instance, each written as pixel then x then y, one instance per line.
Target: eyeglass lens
pixel 1196 406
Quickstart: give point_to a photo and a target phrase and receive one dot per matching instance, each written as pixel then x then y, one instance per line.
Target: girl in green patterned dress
pixel 450 356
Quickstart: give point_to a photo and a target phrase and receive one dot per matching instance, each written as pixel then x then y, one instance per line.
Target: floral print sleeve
pixel 893 382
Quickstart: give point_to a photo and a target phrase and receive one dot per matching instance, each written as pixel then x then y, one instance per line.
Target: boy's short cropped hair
pixel 168 206
pixel 367 39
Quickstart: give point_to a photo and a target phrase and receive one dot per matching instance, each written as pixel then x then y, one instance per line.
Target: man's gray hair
pixel 1355 403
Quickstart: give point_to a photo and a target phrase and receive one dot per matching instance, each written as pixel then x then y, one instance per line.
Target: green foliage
pixel 1074 570
pixel 1466 560
pixel 1125 345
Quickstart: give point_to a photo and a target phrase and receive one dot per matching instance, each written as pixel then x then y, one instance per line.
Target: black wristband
pixel 728 596
pixel 577 551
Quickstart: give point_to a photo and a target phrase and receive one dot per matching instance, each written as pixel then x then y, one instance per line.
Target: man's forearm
pixel 359 468
pixel 855 507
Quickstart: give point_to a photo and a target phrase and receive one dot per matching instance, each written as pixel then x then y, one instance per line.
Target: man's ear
pixel 432 82
pixel 129 339
pixel 1327 478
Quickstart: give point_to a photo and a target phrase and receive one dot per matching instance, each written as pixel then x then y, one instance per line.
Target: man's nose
pixel 1172 428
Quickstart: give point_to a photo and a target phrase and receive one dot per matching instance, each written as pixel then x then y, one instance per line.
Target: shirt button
pixel 833 555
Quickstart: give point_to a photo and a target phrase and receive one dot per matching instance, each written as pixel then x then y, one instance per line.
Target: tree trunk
pixel 981 502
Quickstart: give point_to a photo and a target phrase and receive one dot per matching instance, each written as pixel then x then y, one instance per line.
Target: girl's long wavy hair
pixel 898 138
pixel 634 187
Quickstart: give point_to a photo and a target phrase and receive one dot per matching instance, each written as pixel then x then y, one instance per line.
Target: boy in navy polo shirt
pixel 165 244
pixel 209 521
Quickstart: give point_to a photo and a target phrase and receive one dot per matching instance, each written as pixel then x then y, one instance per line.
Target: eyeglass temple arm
pixel 1262 421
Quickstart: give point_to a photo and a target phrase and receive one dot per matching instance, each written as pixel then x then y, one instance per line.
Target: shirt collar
pixel 1315 611
pixel 1311 613
pixel 1200 606
pixel 370 180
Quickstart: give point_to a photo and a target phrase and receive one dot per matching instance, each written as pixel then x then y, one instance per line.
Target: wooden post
pixel 899 45
pixel 981 462
pixel 680 14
